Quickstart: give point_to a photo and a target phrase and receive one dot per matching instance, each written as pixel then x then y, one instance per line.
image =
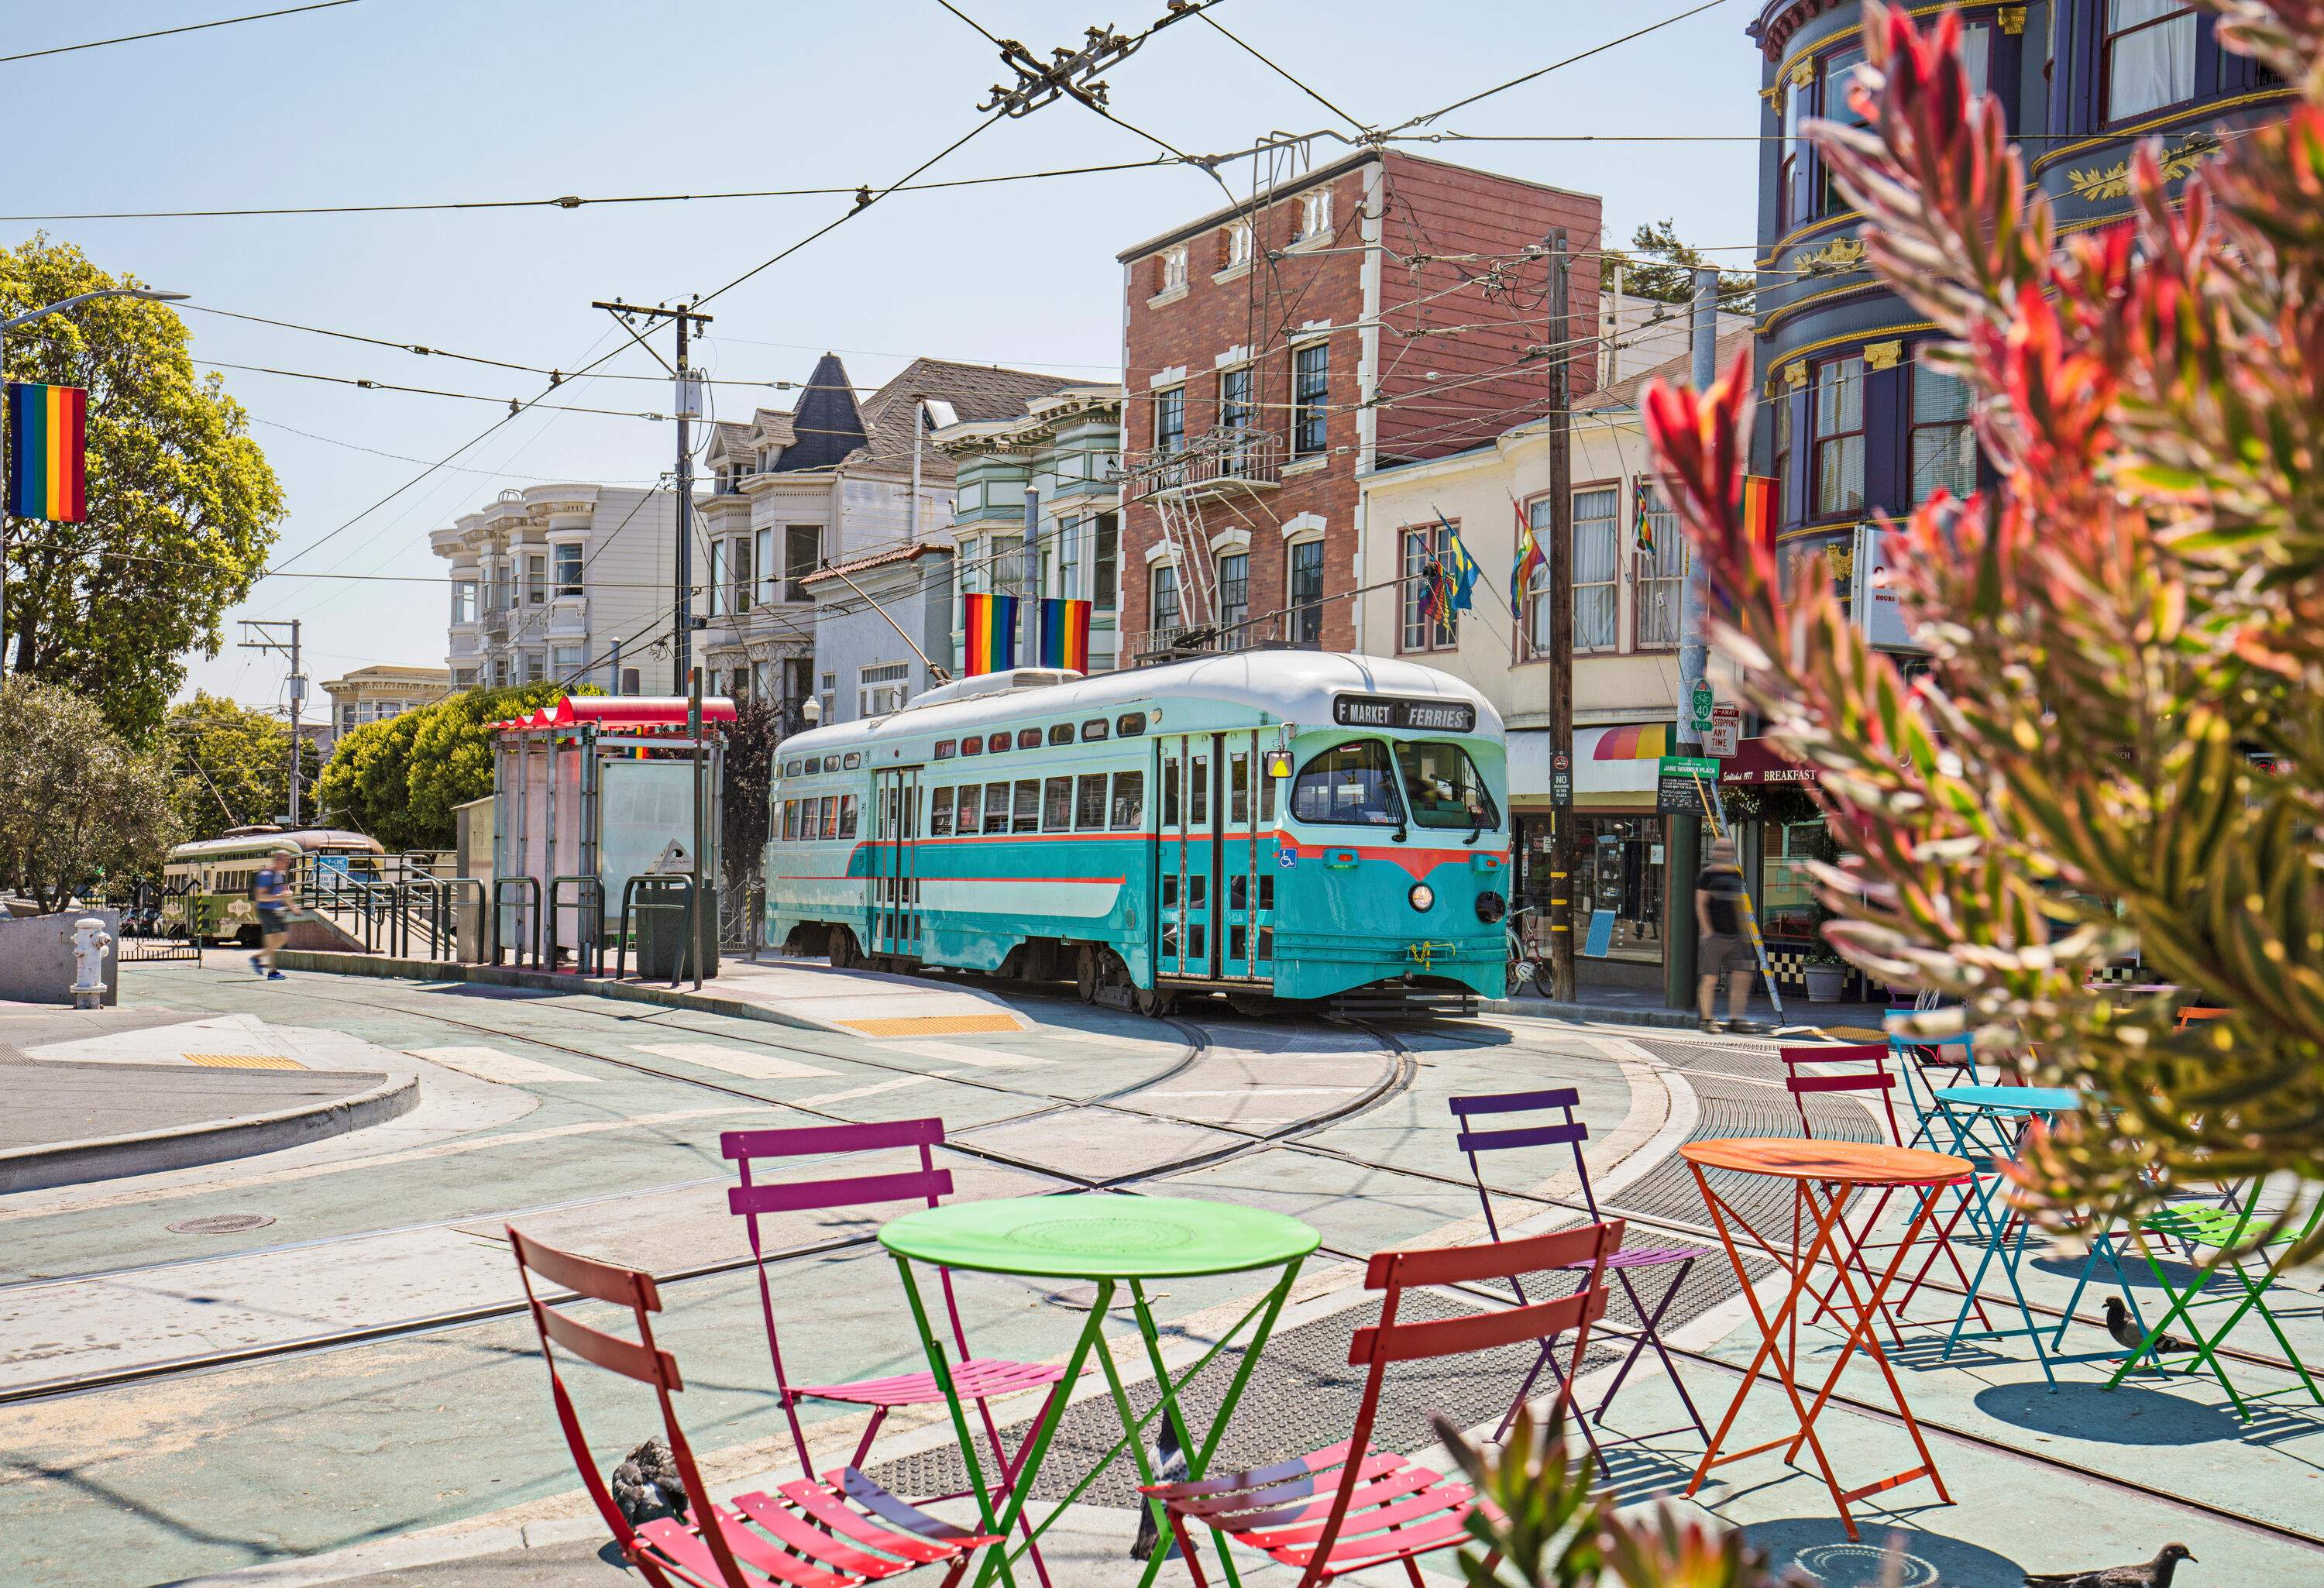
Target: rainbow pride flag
pixel 1759 508
pixel 48 454
pixel 991 640
pixel 1064 633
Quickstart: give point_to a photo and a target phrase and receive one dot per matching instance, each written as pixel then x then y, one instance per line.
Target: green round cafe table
pixel 1110 1241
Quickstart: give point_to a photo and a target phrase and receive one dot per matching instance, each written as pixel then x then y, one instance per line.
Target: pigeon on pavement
pixel 648 1482
pixel 1170 1467
pixel 2127 1334
pixel 2153 1573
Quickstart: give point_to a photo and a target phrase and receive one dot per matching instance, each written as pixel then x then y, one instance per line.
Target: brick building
pixel 1380 308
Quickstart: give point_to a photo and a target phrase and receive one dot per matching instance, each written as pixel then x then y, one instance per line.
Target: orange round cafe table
pixel 1825 1175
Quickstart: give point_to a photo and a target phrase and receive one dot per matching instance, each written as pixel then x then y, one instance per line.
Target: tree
pixel 232 763
pixel 77 803
pixel 182 506
pixel 1663 268
pixel 399 781
pixel 2120 740
pixel 750 776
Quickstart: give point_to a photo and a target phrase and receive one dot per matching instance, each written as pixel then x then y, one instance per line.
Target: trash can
pixel 658 917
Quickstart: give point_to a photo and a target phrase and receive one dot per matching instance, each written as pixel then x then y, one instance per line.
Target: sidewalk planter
pixel 1826 982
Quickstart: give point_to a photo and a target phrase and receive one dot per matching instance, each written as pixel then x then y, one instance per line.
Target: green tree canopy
pixel 1662 267
pixel 400 780
pixel 232 764
pixel 182 506
pixel 78 802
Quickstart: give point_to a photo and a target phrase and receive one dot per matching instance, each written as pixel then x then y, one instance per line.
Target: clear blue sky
pixel 417 100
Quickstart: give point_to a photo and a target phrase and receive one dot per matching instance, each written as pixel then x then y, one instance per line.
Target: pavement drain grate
pixel 244 1061
pixel 221 1223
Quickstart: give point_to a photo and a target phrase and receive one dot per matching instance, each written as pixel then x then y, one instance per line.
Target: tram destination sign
pixel 1396 711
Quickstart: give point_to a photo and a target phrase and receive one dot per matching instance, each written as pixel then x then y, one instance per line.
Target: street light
pixel 150 294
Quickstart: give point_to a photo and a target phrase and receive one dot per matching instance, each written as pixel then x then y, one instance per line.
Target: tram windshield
pixel 1350 783
pixel 1442 785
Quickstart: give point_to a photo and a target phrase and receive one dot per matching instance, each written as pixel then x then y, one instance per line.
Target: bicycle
pixel 1525 968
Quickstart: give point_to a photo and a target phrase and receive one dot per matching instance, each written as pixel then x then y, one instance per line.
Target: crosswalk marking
pixel 506 1069
pixel 735 1061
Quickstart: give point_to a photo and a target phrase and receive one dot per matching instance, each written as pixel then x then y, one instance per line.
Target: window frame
pixel 1304 619
pixel 1154 579
pixel 1818 439
pixel 1311 409
pixel 2109 36
pixel 1667 532
pixel 1409 613
pixel 1232 628
pixel 1236 407
pixel 1170 406
pixel 1914 425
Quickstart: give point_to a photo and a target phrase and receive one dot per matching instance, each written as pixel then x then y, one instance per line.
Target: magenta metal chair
pixel 836 1531
pixel 1863 1066
pixel 1570 1132
pixel 979 1379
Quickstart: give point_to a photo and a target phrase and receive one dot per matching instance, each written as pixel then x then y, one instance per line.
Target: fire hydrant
pixel 89 941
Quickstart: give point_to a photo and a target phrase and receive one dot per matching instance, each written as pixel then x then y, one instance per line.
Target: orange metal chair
pixel 1349 1507
pixel 835 1532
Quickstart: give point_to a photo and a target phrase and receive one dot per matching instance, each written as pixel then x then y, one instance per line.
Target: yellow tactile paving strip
pixel 933 1025
pixel 244 1061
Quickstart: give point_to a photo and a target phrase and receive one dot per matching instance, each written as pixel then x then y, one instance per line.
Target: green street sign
pixel 1700 703
pixel 1683 766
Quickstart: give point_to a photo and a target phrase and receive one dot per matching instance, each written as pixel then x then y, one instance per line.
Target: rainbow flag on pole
pixel 1064 633
pixel 991 638
pixel 1530 557
pixel 1759 509
pixel 48 455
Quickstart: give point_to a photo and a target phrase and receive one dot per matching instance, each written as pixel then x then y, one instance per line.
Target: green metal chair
pixel 2251 1258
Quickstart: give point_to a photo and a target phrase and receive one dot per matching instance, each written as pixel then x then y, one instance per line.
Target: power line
pixel 1422 120
pixel 1251 51
pixel 193 27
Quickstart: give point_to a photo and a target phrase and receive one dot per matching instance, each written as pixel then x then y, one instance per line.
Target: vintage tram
pixel 1270 825
pixel 206 884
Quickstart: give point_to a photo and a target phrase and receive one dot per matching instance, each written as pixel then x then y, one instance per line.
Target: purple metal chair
pixel 1571 1132
pixel 979 1379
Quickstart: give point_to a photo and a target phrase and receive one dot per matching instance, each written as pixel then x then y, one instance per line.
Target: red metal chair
pixel 1571 1132
pixel 832 1532
pixel 979 1379
pixel 1864 1068
pixel 1349 1507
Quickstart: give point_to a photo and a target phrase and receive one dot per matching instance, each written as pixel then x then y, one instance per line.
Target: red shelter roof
pixel 621 711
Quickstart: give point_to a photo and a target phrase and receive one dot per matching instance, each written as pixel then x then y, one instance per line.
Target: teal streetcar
pixel 1275 824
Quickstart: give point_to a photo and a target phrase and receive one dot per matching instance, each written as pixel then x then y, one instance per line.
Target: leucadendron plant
pixel 1543 1527
pixel 2118 744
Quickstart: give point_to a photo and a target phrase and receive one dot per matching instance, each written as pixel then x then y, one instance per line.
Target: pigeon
pixel 647 1482
pixel 2153 1573
pixel 1170 1467
pixel 2127 1334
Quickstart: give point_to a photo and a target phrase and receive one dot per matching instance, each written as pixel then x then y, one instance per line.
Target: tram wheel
pixel 1087 973
pixel 840 949
pixel 1153 1001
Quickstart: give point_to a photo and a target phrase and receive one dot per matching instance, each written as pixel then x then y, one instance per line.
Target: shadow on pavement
pixel 1818 1549
pixel 2130 1414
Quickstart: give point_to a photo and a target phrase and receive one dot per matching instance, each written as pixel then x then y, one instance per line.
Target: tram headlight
pixel 1491 907
pixel 1423 896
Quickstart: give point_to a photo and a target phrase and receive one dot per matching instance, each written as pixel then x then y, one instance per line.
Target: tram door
pixel 1246 885
pixel 895 861
pixel 1186 862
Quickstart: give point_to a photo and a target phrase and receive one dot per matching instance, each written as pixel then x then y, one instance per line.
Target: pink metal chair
pixel 1349 1507
pixel 1864 1068
pixel 831 1532
pixel 1570 1132
pixel 979 1379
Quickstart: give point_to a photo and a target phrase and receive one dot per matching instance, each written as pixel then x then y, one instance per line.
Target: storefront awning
pixel 1757 760
pixel 1614 764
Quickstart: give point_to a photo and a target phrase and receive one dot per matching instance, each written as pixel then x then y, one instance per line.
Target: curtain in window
pixel 1596 562
pixel 1661 576
pixel 2149 56
pixel 1839 435
pixel 1944 448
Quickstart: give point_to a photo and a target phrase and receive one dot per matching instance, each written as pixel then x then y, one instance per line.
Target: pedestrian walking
pixel 1725 950
pixel 270 890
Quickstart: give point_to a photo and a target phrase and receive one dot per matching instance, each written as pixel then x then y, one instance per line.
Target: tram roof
pixel 1292 685
pixel 302 839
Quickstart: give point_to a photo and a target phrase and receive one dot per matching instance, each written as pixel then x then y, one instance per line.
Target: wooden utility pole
pixel 1561 619
pixel 681 617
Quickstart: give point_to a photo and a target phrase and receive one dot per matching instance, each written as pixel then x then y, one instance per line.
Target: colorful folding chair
pixel 1864 1068
pixel 830 1532
pixel 982 1379
pixel 1929 1064
pixel 1571 1132
pixel 1349 1506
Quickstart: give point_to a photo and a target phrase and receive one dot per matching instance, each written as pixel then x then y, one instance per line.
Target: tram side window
pixel 1198 792
pixel 1239 788
pixel 996 807
pixel 831 815
pixel 1350 783
pixel 790 821
pixel 1089 803
pixel 1170 769
pixel 848 816
pixel 1132 723
pixel 1028 805
pixel 1129 800
pixel 1061 732
pixel 1095 728
pixel 970 796
pixel 1443 787
pixel 997 743
pixel 940 813
pixel 1029 738
pixel 1057 805
pixel 972 746
pixel 947 748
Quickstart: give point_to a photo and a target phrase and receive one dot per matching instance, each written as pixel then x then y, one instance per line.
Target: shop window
pixel 1620 871
pixel 1787 903
pixel 2149 56
pixel 1836 413
pixel 1351 784
pixel 1944 447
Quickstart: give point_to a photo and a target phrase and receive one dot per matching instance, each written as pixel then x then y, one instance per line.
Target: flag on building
pixel 1064 633
pixel 1448 582
pixel 1642 503
pixel 1531 559
pixel 48 458
pixel 991 638
pixel 1759 508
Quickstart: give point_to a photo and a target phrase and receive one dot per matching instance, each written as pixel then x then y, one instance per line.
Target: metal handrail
pixel 451 886
pixel 500 884
pixel 590 960
pixel 693 950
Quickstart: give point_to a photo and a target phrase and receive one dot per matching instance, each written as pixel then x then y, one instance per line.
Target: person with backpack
pixel 1724 950
pixel 269 892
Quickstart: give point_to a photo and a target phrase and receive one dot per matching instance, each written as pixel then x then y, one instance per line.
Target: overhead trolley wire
pixel 191 27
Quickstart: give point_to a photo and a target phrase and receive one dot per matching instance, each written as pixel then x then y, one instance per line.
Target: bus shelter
pixel 591 795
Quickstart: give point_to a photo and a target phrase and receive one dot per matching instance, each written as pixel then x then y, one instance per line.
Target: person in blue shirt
pixel 270 890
